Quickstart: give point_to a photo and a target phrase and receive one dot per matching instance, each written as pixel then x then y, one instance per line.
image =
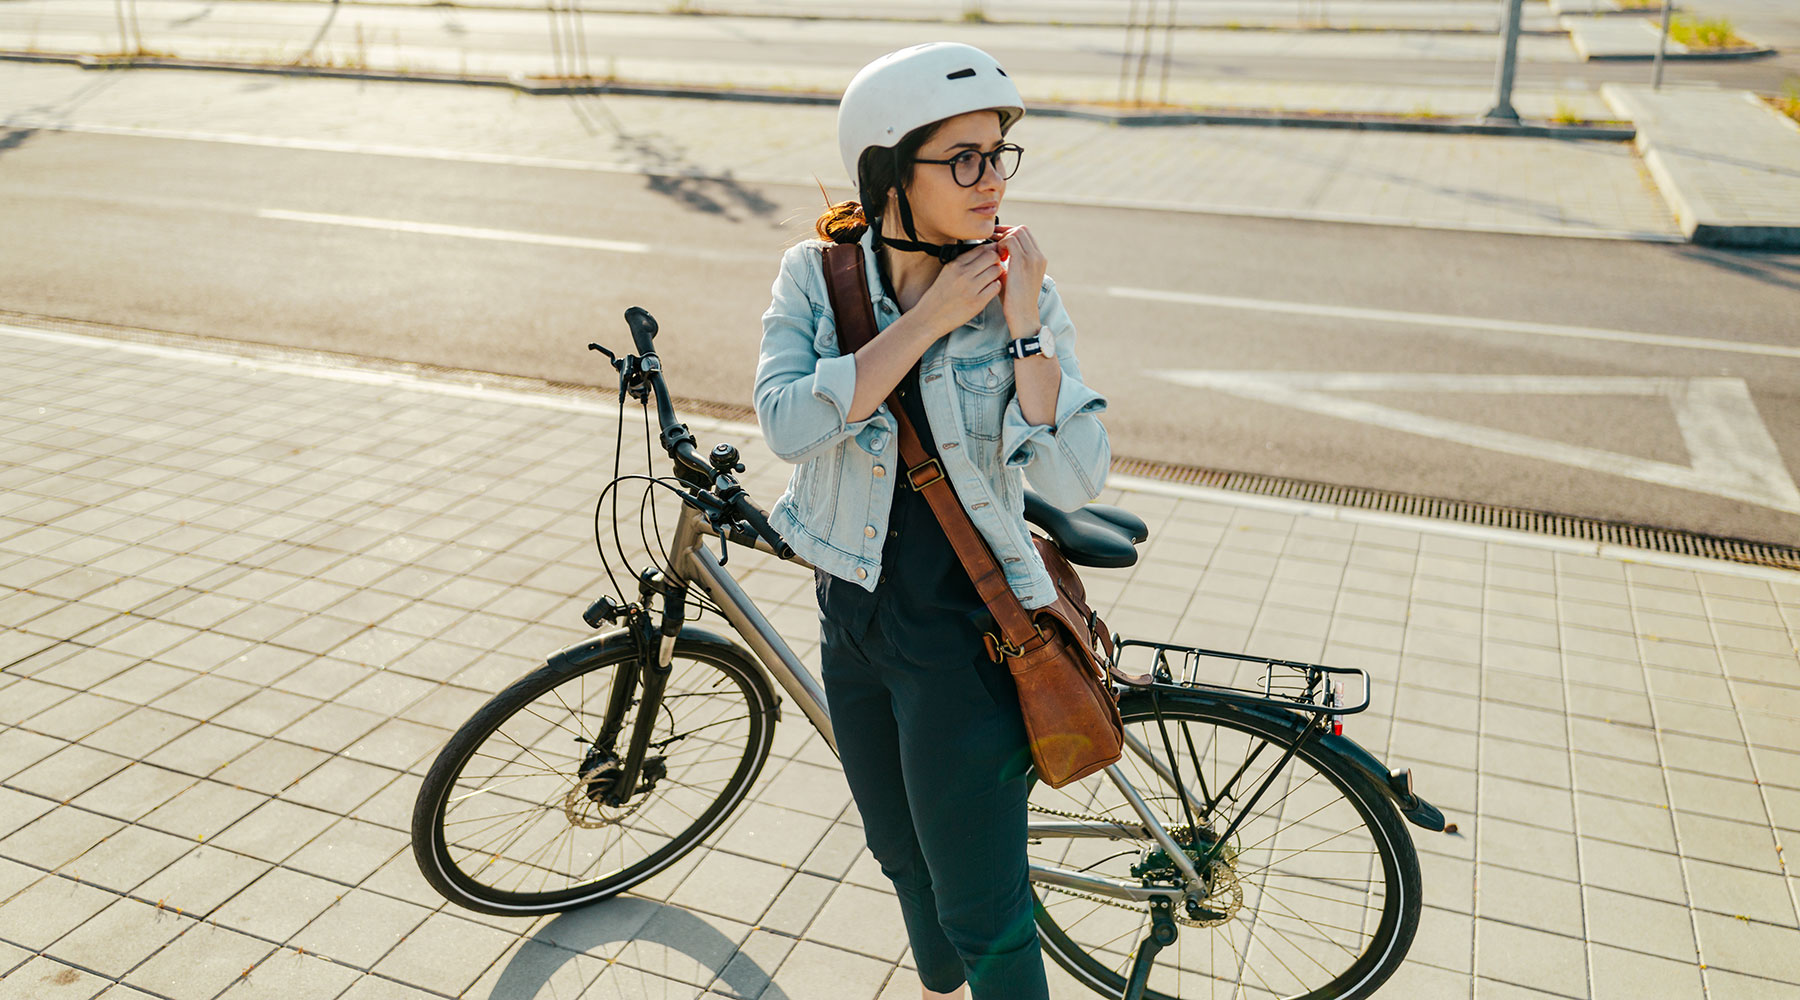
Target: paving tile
pixel 289 975
pixel 530 969
pixel 445 953
pixel 277 904
pixel 203 810
pixel 1530 958
pixel 58 836
pixel 200 880
pixel 48 909
pixel 68 772
pixel 201 962
pixel 134 791
pixel 274 830
pixel 1749 947
pixel 862 920
pixel 44 978
pixel 731 886
pixel 349 851
pixel 125 859
pixel 682 945
pixel 117 938
pixel 360 928
pixel 816 972
pixel 1631 974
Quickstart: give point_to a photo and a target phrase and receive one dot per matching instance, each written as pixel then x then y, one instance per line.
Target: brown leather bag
pixel 1056 654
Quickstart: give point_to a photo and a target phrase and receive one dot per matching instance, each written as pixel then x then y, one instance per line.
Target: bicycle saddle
pixel 1095 534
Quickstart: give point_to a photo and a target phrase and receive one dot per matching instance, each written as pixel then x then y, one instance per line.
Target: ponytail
pixel 842 223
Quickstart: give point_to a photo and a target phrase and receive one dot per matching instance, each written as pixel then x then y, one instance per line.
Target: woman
pixel 973 338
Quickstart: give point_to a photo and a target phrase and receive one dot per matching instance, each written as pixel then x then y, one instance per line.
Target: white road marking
pixel 262 357
pixel 756 177
pixel 1730 448
pixel 465 232
pixel 1459 322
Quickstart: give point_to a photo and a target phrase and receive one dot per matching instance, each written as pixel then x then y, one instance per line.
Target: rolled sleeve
pixel 802 399
pixel 1067 460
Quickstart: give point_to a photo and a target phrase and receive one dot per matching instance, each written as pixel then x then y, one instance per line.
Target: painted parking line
pixel 1446 320
pixel 463 232
pixel 1731 452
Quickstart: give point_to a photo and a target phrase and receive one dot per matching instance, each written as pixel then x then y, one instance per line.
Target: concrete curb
pixel 1702 222
pixel 1231 116
pixel 1720 55
pixel 1678 52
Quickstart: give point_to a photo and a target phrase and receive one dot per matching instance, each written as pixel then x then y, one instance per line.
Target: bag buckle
pixel 998 649
pixel 930 466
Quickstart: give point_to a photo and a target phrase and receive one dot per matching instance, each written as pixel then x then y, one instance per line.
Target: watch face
pixel 1047 341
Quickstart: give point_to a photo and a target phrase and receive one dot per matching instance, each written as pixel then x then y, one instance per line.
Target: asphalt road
pixel 233 241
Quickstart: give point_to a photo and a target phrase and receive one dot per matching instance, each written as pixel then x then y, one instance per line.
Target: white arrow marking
pixel 1732 453
pixel 466 232
pixel 1454 322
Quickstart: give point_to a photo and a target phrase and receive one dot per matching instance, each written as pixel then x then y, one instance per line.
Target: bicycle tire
pixel 1104 965
pixel 453 865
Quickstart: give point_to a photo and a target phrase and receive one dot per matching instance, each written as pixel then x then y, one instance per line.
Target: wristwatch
pixel 1043 342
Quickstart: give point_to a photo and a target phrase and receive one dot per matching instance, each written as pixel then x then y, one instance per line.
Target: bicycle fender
pixel 595 648
pixel 1395 784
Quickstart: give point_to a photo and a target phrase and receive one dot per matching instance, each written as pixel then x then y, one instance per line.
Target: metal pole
pixel 1662 43
pixel 1509 58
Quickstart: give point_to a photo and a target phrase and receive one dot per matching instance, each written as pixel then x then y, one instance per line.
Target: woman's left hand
pixel 1025 269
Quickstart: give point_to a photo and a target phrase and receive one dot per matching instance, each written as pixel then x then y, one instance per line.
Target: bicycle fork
pixel 647 674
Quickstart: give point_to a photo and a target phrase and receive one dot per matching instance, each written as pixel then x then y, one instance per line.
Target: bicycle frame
pixel 691 560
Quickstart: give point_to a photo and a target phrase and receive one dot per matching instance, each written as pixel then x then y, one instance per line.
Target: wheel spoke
pixel 514 821
pixel 1311 817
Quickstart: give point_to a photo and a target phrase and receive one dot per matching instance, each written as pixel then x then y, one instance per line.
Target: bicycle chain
pixel 1236 887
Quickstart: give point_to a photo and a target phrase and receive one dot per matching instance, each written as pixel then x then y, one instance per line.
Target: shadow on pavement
pixel 627 920
pixel 1776 268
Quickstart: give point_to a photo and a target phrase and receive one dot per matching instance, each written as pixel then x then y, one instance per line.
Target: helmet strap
pixel 945 252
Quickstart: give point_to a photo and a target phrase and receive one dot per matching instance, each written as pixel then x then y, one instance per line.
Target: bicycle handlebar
pixel 679 442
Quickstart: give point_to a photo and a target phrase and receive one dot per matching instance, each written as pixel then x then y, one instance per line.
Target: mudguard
pixel 597 647
pixel 1396 785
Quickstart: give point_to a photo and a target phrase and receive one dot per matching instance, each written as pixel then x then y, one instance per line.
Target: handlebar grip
pixel 758 521
pixel 643 328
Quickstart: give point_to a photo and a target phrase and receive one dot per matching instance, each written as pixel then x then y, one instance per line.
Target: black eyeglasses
pixel 967 167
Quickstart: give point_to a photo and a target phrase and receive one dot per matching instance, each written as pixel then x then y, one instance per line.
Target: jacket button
pixel 880 471
pixel 862 574
pixel 869 530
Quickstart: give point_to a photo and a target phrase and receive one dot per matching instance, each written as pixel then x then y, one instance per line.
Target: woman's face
pixel 943 211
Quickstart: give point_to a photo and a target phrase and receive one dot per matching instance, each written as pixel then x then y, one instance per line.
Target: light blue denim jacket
pixel 835 510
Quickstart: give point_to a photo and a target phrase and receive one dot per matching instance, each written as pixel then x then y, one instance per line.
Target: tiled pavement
pixel 246 598
pixel 1489 183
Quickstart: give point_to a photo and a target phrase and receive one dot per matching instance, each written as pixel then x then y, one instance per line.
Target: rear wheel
pixel 1315 895
pixel 513 817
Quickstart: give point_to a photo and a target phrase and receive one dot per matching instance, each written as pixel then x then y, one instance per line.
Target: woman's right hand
pixel 963 288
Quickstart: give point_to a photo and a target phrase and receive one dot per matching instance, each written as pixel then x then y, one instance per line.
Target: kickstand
pixel 1162 932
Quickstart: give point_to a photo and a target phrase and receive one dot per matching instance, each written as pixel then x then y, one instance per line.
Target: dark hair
pixel 845 221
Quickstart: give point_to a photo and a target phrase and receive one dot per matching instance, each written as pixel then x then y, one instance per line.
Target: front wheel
pixel 519 813
pixel 1314 895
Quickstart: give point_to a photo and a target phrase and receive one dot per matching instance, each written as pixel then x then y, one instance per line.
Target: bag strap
pixel 847 285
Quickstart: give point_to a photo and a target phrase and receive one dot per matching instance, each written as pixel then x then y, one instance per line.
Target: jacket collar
pixel 877 291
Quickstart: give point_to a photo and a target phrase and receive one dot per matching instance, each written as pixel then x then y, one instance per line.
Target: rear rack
pixel 1252 680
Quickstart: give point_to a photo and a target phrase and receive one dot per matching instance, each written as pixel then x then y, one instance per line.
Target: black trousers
pixel 935 751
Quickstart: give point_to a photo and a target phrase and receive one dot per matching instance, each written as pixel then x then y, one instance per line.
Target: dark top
pixel 923 589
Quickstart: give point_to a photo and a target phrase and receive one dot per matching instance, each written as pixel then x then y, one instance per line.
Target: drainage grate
pixel 1637 536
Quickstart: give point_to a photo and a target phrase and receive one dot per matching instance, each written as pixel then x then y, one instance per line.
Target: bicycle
pixel 1252 846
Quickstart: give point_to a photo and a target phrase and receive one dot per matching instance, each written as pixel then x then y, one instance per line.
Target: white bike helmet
pixel 910 88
